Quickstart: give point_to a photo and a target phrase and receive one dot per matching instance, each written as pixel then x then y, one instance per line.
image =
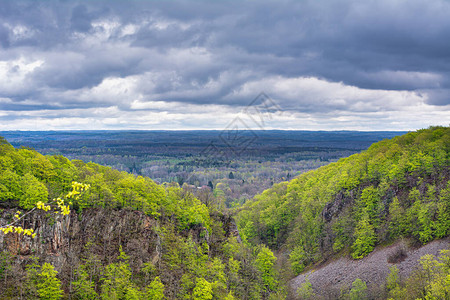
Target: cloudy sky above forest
pixel 326 65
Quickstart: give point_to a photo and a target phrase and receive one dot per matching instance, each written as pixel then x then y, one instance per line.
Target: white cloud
pixel 15 75
pixel 134 64
pixel 314 94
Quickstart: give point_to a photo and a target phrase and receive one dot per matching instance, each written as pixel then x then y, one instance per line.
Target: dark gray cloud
pixel 314 57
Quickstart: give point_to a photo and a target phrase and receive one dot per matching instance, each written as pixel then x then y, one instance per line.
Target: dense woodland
pixel 189 266
pixel 398 188
pixel 235 166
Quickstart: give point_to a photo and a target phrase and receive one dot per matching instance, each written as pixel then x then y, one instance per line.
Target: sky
pixel 152 65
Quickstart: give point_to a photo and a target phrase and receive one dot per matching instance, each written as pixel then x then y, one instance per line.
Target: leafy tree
pixel 202 290
pixel 297 259
pixel 343 231
pixel 397 225
pixel 10 186
pixel 42 282
pixel 233 273
pixel 84 288
pixel 393 284
pixel 430 281
pixel 359 290
pixel 392 281
pixel 442 224
pixel 229 296
pixel 155 290
pixel 437 274
pixel 216 275
pixel 426 223
pixel 306 291
pixel 365 238
pixel 116 280
pixel 132 293
pixel 33 192
pixel 264 263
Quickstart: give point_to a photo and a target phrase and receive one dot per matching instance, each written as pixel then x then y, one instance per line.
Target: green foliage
pixel 230 296
pixel 343 231
pixel 392 281
pixel 306 291
pixel 368 203
pixel 84 288
pixel 248 231
pixel 297 259
pixel 216 275
pixel 42 282
pixel 133 293
pixel 430 281
pixel 365 238
pixel 29 177
pixel 264 263
pixel 358 291
pixel 5 147
pixel 442 223
pixel 192 212
pixel 33 192
pixel 398 222
pixel 10 186
pixel 155 290
pixel 116 280
pixel 202 290
pixel 396 188
pixel 195 259
pixel 437 274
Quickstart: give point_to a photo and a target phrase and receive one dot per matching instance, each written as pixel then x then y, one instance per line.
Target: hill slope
pixel 328 281
pixel 126 237
pixel 398 188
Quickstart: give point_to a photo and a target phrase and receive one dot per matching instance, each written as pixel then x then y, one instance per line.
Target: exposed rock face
pixel 68 241
pixel 334 208
pixel 62 240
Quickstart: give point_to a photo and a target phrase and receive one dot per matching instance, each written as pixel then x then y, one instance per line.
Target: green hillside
pixel 397 188
pixel 125 238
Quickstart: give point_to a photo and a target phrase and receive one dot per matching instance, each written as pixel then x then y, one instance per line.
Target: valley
pixel 340 228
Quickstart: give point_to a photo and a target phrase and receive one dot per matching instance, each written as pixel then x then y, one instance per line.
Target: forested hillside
pixel 125 237
pixel 398 188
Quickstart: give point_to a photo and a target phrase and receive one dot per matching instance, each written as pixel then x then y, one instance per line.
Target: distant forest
pixel 233 165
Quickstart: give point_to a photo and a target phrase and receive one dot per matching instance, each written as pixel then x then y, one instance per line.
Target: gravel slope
pixel 328 280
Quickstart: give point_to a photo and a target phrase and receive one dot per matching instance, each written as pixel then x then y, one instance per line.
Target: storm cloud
pixel 371 65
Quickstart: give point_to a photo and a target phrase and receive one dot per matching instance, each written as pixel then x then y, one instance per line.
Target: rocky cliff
pixel 68 241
